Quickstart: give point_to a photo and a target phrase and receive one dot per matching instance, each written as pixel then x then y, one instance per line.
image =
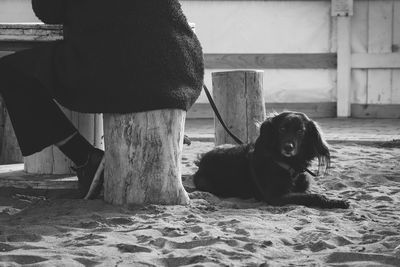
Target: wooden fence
pixel 358 46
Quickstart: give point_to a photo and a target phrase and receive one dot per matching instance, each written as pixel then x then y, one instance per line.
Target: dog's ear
pixel 317 146
pixel 266 133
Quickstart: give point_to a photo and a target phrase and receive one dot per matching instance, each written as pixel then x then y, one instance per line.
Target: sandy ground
pixel 219 232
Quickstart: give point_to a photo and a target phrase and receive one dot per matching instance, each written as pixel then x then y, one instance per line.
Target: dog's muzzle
pixel 288 149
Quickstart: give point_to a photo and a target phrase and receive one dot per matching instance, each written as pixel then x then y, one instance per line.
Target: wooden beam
pixel 344 67
pixel 314 110
pixel 380 19
pixel 230 61
pixel 247 0
pixel 37 32
pixel 375 61
pixel 271 61
pixel 376 111
pixel 395 99
pixel 13 177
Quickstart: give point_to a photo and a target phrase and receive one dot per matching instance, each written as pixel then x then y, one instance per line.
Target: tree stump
pixel 143 158
pixel 238 96
pixel 51 160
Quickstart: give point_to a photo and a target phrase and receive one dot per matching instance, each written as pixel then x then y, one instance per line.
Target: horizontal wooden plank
pixel 314 110
pixel 378 111
pixel 375 61
pixel 271 61
pixel 251 0
pixel 15 37
pixel 29 26
pixel 11 32
pixel 12 176
pixel 230 61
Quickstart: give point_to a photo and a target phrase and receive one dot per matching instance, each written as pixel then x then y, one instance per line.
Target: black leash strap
pixel 310 172
pixel 214 107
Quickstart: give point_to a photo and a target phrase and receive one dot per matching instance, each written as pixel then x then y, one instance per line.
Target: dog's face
pixel 293 134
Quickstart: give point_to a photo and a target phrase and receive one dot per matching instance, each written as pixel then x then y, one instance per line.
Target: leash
pixel 214 107
pixel 292 171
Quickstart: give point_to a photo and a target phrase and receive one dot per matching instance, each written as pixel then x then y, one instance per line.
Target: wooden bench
pixel 142 150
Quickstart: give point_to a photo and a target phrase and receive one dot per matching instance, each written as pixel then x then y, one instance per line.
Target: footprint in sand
pixel 143 238
pixel 250 247
pixel 159 242
pixel 84 241
pixel 242 232
pixel 89 237
pixel 6 247
pixel 335 186
pixel 89 224
pixel 321 245
pixel 206 242
pixel 128 248
pixel 183 261
pixel 342 241
pixel 173 232
pixel 120 221
pixel 195 243
pixel 21 259
pixel 371 238
pixel 364 259
pixel 384 198
pixel 87 262
pixel 234 255
pixel 23 237
pixel 191 218
pixel 196 229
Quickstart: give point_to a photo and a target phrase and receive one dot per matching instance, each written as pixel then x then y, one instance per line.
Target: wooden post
pixel 143 156
pixel 343 9
pixel 238 96
pixel 51 160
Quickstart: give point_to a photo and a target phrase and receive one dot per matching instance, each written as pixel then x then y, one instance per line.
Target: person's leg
pixel 39 122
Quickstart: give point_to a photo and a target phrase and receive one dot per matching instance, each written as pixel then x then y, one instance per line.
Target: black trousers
pixel 37 120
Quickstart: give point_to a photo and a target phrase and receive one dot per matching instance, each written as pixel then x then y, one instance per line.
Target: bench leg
pixel 143 158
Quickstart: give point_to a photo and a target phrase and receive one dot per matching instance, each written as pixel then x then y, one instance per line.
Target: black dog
pixel 273 169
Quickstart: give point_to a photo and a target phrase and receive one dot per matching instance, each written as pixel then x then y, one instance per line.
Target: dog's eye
pixel 300 132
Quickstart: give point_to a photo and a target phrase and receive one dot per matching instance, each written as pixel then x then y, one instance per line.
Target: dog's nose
pixel 288 147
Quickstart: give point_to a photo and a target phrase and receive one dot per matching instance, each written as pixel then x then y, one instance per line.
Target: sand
pixel 219 232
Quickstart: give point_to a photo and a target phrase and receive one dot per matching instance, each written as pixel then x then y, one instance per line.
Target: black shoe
pixel 88 186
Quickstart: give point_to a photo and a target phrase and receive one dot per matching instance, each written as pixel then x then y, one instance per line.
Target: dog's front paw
pixel 338 204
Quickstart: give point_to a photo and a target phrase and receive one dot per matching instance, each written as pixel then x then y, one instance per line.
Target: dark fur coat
pixel 117 56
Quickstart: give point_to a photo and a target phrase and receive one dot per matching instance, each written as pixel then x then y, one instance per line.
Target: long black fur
pixel 273 168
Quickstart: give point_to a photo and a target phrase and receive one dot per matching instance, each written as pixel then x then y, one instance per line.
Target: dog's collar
pixel 291 170
pixel 286 167
pixel 283 165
